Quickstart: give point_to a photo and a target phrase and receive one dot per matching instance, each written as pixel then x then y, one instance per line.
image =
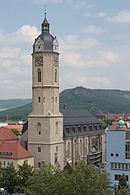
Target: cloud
pixel 74 42
pixel 86 53
pixel 87 81
pixel 15 61
pixel 26 34
pixel 80 5
pixel 48 1
pixel 122 17
pixel 102 14
pixel 110 57
pixel 92 29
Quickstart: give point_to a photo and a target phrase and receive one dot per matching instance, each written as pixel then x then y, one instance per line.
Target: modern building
pixel 55 136
pixel 118 152
pixel 11 151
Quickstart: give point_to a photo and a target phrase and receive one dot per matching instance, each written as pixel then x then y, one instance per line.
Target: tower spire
pixel 45 24
pixel 45 11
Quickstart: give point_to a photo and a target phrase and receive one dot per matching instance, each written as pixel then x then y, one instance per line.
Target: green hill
pixel 94 100
pixel 13 103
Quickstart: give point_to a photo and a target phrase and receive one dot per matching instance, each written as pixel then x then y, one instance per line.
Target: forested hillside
pixel 94 100
pixel 13 103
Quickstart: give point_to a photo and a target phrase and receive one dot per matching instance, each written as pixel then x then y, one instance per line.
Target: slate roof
pixel 78 117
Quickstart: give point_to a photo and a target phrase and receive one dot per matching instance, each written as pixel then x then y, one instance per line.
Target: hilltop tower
pixel 45 123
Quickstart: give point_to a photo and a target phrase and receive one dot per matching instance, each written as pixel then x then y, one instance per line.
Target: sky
pixel 94 39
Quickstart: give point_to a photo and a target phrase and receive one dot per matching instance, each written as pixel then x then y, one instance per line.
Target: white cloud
pixel 95 82
pixel 86 53
pixel 110 57
pixel 74 42
pixel 102 14
pixel 26 34
pixel 80 5
pixel 1 37
pixel 48 1
pixel 122 17
pixel 91 29
pixel 15 61
pixel 87 81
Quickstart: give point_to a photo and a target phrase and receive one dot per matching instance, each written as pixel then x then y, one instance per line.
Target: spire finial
pixel 45 11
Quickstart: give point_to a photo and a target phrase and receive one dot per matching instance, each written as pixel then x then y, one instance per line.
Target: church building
pixel 45 123
pixel 55 136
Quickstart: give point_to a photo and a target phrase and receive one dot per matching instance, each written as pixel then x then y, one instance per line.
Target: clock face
pixel 38 61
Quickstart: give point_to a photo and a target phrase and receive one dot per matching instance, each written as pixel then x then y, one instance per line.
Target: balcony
pixel 94 158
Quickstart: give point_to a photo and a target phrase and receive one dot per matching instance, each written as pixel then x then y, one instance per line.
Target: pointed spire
pixel 45 11
pixel 45 24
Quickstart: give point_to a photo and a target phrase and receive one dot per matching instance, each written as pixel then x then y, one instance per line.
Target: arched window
pixel 55 75
pixel 39 75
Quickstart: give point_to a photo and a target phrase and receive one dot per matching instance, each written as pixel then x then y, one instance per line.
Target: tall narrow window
pixel 39 128
pixel 39 149
pixel 39 75
pixel 68 149
pixel 56 127
pixel 81 148
pixel 55 75
pixel 39 99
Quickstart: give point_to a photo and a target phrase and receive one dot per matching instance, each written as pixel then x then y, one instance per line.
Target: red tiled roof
pixel 13 150
pixel 7 134
pixel 121 129
pixel 18 127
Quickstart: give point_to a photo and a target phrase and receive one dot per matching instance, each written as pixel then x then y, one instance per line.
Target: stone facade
pixel 48 142
pixel 81 143
pixel 45 123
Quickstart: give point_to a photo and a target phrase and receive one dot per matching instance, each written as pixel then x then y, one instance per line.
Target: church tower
pixel 45 123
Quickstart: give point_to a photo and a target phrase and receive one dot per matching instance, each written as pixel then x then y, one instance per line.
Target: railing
pixel 94 157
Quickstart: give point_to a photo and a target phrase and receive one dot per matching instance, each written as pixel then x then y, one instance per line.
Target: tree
pixel 15 131
pixel 87 180
pixel 9 178
pixel 83 180
pixel 123 186
pixel 68 168
pixel 24 173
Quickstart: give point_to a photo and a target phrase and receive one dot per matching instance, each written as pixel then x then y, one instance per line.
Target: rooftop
pixel 7 134
pixel 78 117
pixel 13 150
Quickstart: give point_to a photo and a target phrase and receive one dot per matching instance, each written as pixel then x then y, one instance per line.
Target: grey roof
pixel 45 36
pixel 78 117
pixel 48 39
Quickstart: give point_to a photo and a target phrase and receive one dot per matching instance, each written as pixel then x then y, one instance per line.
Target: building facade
pixel 82 137
pixel 45 123
pixel 49 138
pixel 118 153
pixel 11 152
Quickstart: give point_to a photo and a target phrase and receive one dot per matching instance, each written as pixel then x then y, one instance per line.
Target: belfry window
pixel 39 75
